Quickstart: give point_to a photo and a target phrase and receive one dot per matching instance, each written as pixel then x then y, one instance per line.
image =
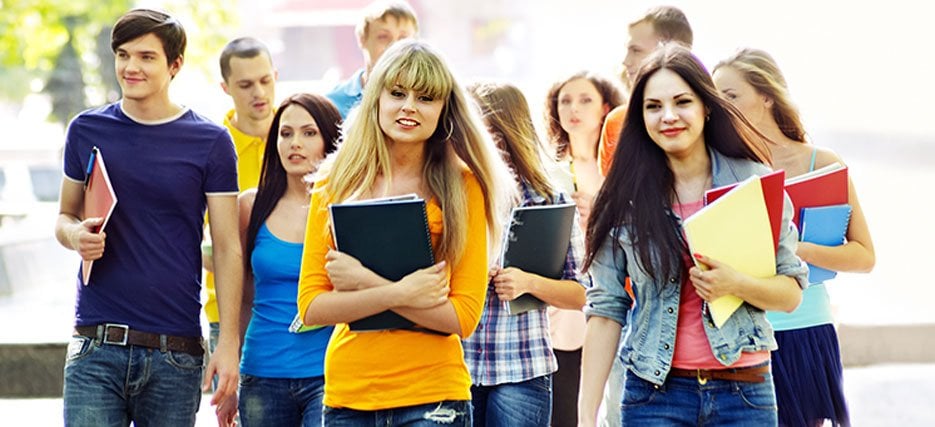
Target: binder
pixel 390 237
pixel 99 200
pixel 537 242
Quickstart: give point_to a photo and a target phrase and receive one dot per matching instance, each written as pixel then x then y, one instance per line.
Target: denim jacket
pixel 650 323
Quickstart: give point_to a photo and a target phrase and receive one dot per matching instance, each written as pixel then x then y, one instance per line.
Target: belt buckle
pixel 126 334
pixel 701 381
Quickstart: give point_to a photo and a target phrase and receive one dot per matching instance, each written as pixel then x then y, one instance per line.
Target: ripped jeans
pixel 455 413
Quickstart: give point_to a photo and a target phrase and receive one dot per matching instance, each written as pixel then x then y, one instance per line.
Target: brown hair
pixel 140 22
pixel 611 95
pixel 669 23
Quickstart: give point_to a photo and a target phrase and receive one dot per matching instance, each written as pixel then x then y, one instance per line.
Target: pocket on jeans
pixel 184 360
pixel 78 348
pixel 758 395
pixel 247 380
pixel 637 391
pixel 543 383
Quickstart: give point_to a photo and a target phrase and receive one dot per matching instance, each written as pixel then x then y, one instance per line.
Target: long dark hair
pixel 273 176
pixel 639 187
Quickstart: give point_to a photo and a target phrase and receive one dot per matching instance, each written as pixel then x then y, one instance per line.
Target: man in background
pixel 383 23
pixel 249 78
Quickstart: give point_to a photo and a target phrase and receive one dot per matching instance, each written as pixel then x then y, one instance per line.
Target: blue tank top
pixel 269 349
pixel 816 304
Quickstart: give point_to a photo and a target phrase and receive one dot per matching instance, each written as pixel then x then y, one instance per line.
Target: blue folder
pixel 825 225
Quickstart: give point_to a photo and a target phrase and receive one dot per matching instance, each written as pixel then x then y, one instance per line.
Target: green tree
pixel 63 47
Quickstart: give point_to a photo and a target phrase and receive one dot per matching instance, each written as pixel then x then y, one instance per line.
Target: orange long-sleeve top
pixel 610 134
pixel 396 368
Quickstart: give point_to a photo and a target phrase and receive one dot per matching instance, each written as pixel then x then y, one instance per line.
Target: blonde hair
pixel 506 112
pixel 380 9
pixel 459 143
pixel 760 70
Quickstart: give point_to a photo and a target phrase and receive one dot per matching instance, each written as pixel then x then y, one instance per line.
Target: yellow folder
pixel 735 230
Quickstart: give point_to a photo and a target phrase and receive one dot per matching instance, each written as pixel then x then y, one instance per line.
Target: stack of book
pixel 822 212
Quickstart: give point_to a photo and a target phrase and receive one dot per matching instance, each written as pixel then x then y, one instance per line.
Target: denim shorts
pixel 112 385
pixel 449 413
pixel 281 401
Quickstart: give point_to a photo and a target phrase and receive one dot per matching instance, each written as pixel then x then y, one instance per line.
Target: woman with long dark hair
pixel 282 371
pixel 680 139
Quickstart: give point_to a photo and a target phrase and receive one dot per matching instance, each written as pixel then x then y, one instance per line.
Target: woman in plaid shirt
pixel 510 357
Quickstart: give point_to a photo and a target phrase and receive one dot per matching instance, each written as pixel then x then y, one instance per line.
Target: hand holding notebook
pixel 388 236
pixel 99 201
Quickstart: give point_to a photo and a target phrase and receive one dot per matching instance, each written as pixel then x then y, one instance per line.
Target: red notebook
pixel 772 184
pixel 99 200
pixel 826 186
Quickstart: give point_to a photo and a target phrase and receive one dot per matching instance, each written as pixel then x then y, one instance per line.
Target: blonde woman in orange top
pixel 414 132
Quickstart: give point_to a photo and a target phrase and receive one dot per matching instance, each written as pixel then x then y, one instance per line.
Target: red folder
pixel 772 184
pixel 822 187
pixel 99 200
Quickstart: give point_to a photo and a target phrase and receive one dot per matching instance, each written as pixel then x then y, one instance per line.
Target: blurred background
pixel 860 73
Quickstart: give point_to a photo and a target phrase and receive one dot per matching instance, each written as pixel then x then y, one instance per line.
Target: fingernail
pixel 697 255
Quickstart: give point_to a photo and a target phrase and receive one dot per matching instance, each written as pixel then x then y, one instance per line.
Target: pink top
pixel 692 350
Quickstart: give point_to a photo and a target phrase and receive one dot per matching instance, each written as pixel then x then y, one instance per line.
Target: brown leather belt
pixel 752 374
pixel 122 335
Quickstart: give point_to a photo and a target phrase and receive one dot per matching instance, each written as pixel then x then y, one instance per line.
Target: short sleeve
pixel 221 170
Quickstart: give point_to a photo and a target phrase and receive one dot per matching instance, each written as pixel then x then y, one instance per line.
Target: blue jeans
pixel 686 402
pixel 111 385
pixel 527 403
pixel 450 413
pixel 281 401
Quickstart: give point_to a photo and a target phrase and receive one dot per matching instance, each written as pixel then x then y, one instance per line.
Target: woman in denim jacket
pixel 680 139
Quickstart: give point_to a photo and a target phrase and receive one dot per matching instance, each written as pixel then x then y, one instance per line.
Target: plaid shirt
pixel 513 348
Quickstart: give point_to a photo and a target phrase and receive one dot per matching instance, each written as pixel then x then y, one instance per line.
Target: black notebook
pixel 537 243
pixel 390 237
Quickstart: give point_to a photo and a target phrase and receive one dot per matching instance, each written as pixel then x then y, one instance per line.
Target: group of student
pixel 625 321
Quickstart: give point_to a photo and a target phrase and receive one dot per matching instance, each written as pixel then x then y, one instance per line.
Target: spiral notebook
pixel 537 243
pixel 825 225
pixel 389 236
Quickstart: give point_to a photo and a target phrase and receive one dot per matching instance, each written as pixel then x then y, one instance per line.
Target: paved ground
pixel 884 395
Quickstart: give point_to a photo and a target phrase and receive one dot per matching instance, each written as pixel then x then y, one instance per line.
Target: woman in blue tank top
pixel 807 366
pixel 282 369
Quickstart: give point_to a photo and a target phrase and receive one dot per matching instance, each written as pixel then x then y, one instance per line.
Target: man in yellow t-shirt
pixel 249 78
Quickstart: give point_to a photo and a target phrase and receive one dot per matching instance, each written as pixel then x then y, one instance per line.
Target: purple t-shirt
pixel 150 275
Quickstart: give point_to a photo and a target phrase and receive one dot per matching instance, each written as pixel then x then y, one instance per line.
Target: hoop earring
pixel 449 128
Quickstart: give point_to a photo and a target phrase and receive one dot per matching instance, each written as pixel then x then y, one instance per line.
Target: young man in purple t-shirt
pixel 137 353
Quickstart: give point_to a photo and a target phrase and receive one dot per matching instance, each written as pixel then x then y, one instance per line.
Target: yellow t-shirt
pixel 249 162
pixel 397 368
